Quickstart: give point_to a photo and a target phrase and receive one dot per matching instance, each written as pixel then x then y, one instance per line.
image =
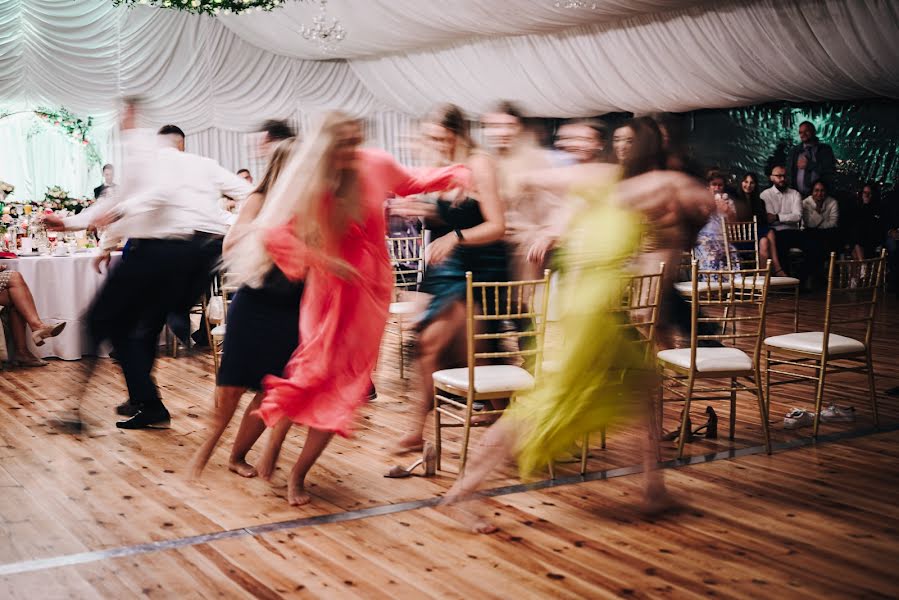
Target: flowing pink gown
pixel 341 320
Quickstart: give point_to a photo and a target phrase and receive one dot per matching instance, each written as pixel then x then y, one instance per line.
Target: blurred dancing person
pixel 467 231
pixel 628 227
pixel 323 222
pixel 168 209
pixel 262 333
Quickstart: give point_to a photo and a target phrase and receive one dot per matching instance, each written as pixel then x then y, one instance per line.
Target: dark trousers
pixel 819 243
pixel 791 238
pixel 159 277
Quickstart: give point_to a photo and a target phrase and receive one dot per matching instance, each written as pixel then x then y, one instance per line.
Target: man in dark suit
pixel 108 175
pixel 810 161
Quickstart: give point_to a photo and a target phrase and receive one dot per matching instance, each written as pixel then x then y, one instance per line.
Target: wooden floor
pixel 814 521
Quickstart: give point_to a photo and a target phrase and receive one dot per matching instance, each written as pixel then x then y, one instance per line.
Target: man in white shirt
pixel 820 215
pixel 168 208
pixel 784 207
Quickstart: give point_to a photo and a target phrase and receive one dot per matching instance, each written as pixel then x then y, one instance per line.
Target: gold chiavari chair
pixel 851 305
pixel 726 297
pixel 742 245
pixel 638 312
pixel 226 288
pixel 456 390
pixel 408 260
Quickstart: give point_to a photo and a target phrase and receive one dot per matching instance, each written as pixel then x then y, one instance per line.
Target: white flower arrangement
pixel 7 188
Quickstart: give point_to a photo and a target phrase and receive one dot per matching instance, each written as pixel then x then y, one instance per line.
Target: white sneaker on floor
pixel 797 418
pixel 834 414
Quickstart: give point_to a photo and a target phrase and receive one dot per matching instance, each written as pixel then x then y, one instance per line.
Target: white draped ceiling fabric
pixel 219 77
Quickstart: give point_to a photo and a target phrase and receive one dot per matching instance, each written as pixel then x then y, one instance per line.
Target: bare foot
pixel 242 468
pixel 298 496
pixel 467 513
pixel 266 465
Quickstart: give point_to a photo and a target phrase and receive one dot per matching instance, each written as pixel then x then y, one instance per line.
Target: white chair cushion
pixel 708 360
pixel 812 341
pixel 219 330
pixel 773 281
pixel 402 308
pixel 686 287
pixel 487 378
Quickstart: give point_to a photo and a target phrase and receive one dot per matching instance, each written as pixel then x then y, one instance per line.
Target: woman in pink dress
pixel 325 224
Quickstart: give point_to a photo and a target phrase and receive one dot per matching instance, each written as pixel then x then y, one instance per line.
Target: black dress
pixel 262 331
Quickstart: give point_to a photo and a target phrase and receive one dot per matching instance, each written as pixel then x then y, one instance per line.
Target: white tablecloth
pixel 63 288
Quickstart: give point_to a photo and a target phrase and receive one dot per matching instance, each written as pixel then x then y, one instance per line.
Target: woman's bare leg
pixel 432 342
pixel 19 296
pixel 226 400
pixel 316 442
pixel 251 427
pixel 495 449
pixel 269 457
pixel 17 328
pixel 858 253
pixel 765 253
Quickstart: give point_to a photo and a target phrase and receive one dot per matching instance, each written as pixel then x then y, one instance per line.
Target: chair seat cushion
pixel 487 378
pixel 773 281
pixel 402 308
pixel 708 360
pixel 686 287
pixel 218 330
pixel 813 342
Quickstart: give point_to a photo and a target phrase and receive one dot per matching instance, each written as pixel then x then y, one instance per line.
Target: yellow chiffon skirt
pixel 598 365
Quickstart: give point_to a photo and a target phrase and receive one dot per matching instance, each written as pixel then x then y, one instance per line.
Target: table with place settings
pixel 63 288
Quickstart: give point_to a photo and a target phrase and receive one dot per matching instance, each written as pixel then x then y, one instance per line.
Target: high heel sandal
pixel 673 435
pixel 428 459
pixel 711 426
pixel 49 331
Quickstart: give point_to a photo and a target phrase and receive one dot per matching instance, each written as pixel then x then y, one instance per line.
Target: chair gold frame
pixel 746 232
pixel 407 258
pixel 498 301
pixel 217 334
pixel 852 290
pixel 641 297
pixel 741 295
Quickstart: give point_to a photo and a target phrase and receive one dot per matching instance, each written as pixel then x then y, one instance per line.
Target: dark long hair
pixel 647 153
pixel 754 200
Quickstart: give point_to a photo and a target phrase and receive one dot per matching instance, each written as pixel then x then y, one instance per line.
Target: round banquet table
pixel 63 288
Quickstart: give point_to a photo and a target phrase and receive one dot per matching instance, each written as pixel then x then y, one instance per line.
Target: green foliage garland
pixel 76 128
pixel 209 7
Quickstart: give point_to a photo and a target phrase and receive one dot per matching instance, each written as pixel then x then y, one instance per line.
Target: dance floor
pixel 112 514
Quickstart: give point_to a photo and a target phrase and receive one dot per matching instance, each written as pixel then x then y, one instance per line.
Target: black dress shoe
pixel 127 409
pixel 157 418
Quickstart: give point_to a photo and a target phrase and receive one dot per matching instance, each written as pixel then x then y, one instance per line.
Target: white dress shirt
pixel 826 219
pixel 787 205
pixel 166 193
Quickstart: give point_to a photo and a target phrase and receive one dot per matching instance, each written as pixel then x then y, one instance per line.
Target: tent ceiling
pixel 378 27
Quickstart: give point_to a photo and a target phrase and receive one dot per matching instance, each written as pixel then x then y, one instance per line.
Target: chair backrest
pixel 639 307
pixel 741 243
pixel 503 304
pixel 734 299
pixel 407 258
pixel 852 294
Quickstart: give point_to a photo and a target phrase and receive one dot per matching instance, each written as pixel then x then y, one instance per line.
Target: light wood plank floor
pixel 811 522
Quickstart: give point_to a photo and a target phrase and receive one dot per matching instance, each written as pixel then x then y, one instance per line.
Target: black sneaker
pixel 127 409
pixel 156 418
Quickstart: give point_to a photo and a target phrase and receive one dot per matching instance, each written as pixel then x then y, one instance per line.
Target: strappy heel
pixel 428 459
pixel 711 426
pixel 673 435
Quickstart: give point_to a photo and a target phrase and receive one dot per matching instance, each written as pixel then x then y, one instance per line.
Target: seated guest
pixel 891 216
pixel 784 213
pixel 820 215
pixel 869 230
pixel 710 250
pixel 245 174
pixel 749 204
pixel 108 175
pixel 17 298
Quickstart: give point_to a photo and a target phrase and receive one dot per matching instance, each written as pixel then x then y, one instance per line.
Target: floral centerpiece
pixel 57 198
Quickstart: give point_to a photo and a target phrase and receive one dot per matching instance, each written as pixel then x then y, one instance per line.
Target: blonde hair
pixel 320 202
pixel 276 164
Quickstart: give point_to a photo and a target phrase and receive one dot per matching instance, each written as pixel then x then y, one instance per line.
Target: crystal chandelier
pixel 576 4
pixel 325 31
